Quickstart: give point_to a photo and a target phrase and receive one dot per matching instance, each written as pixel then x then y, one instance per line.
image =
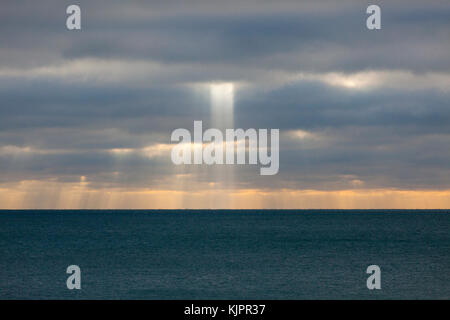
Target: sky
pixel 86 116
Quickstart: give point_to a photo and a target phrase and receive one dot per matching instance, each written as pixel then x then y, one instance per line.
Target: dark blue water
pixel 225 254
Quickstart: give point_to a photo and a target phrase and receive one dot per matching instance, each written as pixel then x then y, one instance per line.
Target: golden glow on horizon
pixel 57 195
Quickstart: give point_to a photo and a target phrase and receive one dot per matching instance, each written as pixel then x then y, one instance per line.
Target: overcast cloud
pixel 355 108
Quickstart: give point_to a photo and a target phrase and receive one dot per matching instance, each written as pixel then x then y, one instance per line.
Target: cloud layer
pixel 357 109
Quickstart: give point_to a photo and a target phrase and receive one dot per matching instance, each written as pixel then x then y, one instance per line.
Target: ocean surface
pixel 189 254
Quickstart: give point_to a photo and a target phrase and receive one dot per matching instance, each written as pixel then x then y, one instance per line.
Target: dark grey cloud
pixel 378 137
pixel 284 35
pixel 384 137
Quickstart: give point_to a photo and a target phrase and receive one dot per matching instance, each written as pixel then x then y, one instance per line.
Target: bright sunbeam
pixel 222 104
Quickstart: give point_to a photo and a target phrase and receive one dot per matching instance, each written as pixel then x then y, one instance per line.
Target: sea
pixel 225 254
